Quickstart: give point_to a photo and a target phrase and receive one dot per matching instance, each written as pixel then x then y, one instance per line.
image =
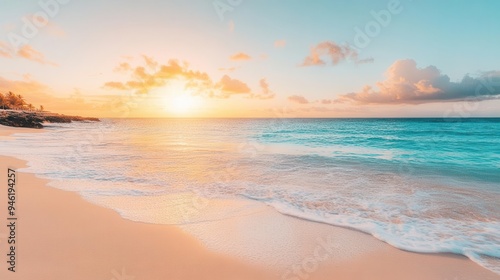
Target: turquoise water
pixel 461 148
pixel 423 185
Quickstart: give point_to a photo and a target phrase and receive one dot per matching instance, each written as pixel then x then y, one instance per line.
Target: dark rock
pixel 35 119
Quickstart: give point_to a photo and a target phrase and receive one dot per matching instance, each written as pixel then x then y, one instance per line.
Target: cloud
pixel 240 56
pixel 25 51
pixel 35 93
pixel 30 53
pixel 26 85
pixel 49 27
pixel 115 85
pixel 298 99
pixel 143 79
pixel 4 50
pixel 153 75
pixel 325 52
pixel 230 86
pixel 406 83
pixel 266 93
pixel 264 86
pixel 123 67
pixel 279 43
pixel 326 101
pixel 54 30
pixel 150 62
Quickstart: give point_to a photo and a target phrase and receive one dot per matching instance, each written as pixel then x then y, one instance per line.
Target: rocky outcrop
pixel 36 119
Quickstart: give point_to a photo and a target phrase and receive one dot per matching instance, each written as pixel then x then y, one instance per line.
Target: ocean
pixel 422 185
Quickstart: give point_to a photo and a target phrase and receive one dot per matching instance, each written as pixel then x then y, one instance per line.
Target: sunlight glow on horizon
pixel 182 104
pixel 180 101
pixel 180 59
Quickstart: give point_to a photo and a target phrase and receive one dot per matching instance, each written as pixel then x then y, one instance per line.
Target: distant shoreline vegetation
pixel 16 102
pixel 16 112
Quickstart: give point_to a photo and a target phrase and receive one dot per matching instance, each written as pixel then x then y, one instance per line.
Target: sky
pixel 242 58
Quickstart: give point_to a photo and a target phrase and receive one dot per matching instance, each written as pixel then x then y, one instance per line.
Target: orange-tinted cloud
pixel 150 62
pixel 37 94
pixel 5 50
pixel 50 27
pixel 25 86
pixel 280 44
pixel 230 86
pixel 298 99
pixel 266 93
pixel 406 83
pixel 240 56
pixel 142 79
pixel 331 52
pixel 123 67
pixel 25 51
pixel 153 75
pixel 115 85
pixel 28 52
pixel 54 30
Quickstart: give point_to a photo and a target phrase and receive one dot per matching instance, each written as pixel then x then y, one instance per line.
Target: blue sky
pixel 84 42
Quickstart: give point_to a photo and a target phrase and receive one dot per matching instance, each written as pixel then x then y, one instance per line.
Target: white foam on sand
pixel 267 237
pixel 248 230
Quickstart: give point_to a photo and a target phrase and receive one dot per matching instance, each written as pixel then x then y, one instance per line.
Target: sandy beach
pixel 6 131
pixel 249 140
pixel 62 236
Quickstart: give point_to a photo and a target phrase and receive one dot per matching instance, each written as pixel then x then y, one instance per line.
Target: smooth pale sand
pixel 7 131
pixel 62 236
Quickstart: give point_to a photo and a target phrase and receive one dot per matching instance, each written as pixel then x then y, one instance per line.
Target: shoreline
pixel 35 119
pixel 62 235
pixel 8 131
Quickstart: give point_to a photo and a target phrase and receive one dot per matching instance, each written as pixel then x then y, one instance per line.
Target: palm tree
pixel 11 100
pixel 3 100
pixel 20 101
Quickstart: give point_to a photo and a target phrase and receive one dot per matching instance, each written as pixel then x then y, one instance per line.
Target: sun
pixel 178 100
pixel 182 104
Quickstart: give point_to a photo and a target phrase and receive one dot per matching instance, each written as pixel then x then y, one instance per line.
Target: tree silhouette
pixel 13 101
pixel 20 102
pixel 3 101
